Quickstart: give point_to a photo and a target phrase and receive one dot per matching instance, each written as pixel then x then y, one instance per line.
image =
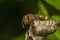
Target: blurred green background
pixel 12 11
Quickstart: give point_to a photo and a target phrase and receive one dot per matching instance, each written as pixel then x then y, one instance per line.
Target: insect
pixel 26 20
pixel 39 26
pixel 39 30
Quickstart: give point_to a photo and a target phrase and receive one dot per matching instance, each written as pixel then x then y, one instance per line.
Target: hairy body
pixel 39 30
pixel 39 27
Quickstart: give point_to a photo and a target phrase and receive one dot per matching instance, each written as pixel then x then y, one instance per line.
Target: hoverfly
pixel 40 29
pixel 39 26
